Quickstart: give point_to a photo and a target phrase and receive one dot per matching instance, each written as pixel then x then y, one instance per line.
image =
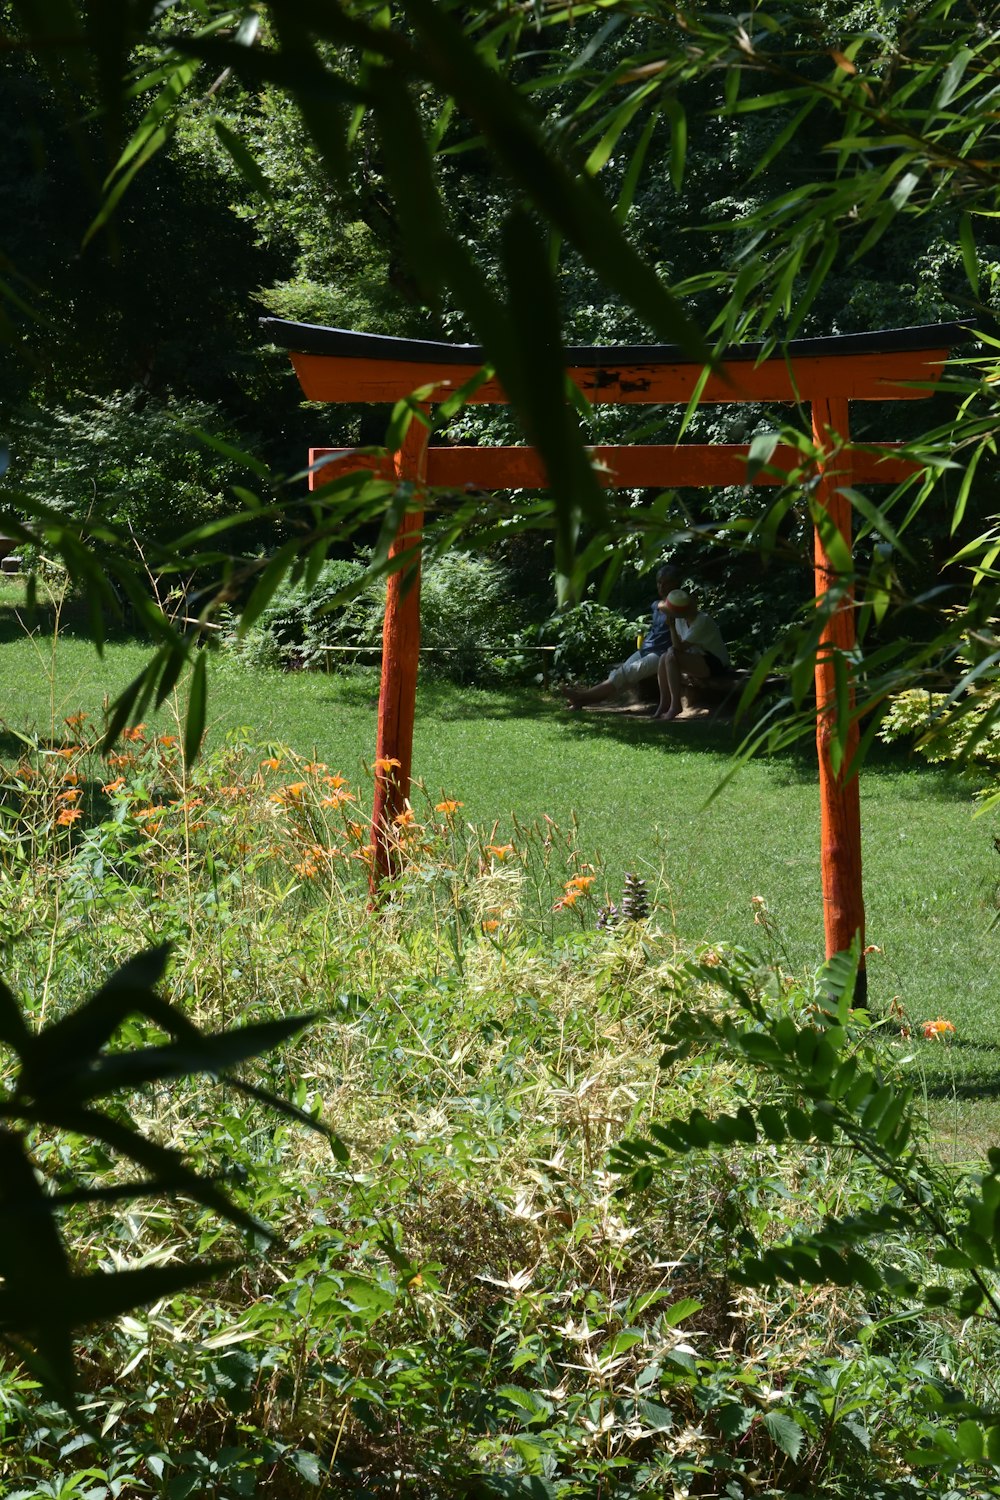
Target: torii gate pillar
pixel 839 790
pixel 400 659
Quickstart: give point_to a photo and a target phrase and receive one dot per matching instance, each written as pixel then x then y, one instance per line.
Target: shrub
pixel 466 618
pixel 588 639
pixel 129 460
pixel 299 624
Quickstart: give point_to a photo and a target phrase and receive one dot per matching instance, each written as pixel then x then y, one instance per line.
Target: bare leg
pixel 668 676
pixel 578 697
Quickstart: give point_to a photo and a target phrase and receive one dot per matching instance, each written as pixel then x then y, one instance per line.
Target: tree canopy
pixel 527 179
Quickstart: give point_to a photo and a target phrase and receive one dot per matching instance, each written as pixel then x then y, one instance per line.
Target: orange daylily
pixel 68 815
pixel 448 806
pixel 936 1030
pixel 500 851
pixel 336 799
pixel 385 763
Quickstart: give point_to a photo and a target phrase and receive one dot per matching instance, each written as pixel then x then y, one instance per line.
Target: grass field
pixel 500 1278
pixel 640 798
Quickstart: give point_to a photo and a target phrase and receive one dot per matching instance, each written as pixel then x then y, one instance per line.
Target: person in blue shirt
pixel 642 663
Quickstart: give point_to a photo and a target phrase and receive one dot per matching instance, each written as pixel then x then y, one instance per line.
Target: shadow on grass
pixel 12 746
pixel 913 779
pixel 972 1085
pixel 18 622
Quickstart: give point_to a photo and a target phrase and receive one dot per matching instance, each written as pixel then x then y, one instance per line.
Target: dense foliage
pixel 634 172
pixel 478 1301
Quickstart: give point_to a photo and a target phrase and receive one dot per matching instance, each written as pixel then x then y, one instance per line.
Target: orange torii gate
pixel 901 364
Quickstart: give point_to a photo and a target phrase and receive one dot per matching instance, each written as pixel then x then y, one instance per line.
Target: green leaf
pixel 213 1054
pixel 306 1465
pixel 678 1311
pixel 970 260
pixel 67 1046
pixel 14 1032
pixel 733 1419
pixel 785 1433
pixel 772 1123
pixel 633 175
pixel 674 111
pixel 970 1439
pixel 243 158
pixel 197 709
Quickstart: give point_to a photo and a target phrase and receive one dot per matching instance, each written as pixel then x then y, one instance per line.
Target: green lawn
pixel 639 793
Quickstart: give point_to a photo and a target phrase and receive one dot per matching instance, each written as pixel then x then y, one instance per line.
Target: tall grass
pixel 469 1306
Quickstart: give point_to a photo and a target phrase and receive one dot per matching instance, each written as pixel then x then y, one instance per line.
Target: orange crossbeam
pixel 686 465
pixel 906 375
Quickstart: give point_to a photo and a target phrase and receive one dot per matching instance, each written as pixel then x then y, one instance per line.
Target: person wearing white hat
pixel 696 650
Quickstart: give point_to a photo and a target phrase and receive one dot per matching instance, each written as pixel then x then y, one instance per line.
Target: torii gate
pixel 900 364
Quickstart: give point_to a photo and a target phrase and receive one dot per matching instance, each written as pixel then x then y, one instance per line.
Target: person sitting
pixel 643 662
pixel 696 651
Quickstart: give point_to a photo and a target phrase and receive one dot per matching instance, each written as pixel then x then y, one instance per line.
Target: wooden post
pixel 400 657
pixel 840 799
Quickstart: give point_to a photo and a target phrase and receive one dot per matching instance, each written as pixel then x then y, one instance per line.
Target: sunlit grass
pixel 641 799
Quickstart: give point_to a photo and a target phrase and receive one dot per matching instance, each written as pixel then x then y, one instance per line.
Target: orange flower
pixel 500 851
pixel 490 924
pixel 234 791
pixel 580 883
pixel 313 767
pixel 114 786
pixel 116 759
pixel 272 763
pixel 336 799
pixel 75 720
pixel 936 1030
pixel 27 773
pixel 71 778
pixel 385 763
pixel 68 815
pixel 66 753
pixel 448 806
pixel 166 740
pixel 73 795
pixel 570 899
pixel 336 782
pixel 291 793
pixel 134 734
pixel 404 819
pixel 306 869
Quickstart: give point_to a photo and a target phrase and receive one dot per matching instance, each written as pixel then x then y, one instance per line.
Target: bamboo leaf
pixel 197 709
